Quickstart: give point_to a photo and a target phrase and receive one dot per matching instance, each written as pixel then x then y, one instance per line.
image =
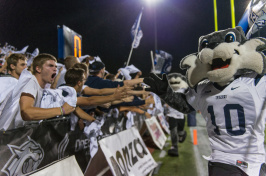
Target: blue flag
pixel 136 31
pixel 254 17
pixel 162 62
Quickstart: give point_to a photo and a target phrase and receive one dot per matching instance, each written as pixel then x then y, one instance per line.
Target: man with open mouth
pixel 29 97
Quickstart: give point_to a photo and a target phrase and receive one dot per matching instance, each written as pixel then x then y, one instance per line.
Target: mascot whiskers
pixel 227 84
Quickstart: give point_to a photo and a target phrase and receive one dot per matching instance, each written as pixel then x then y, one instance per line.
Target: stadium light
pixel 153 4
pixel 152 1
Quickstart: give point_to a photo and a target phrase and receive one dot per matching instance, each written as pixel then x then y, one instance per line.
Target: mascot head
pixel 224 54
pixel 177 81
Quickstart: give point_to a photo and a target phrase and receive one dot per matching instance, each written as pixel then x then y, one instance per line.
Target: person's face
pixel 21 65
pixel 103 72
pixel 81 83
pixel 48 71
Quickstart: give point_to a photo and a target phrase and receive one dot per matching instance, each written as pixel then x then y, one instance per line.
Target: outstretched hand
pixel 120 93
pixel 157 85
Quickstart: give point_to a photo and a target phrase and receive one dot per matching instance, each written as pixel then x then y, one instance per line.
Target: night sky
pixel 105 26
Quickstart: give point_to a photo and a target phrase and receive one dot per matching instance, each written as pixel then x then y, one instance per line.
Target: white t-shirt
pixel 6 88
pixel 33 88
pixel 11 117
pixel 235 118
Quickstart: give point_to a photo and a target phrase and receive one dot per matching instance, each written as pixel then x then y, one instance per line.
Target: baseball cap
pixel 96 66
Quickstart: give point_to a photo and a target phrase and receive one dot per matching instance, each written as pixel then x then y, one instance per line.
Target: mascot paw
pixel 157 85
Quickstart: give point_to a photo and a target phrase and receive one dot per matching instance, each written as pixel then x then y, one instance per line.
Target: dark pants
pixel 221 169
pixel 176 126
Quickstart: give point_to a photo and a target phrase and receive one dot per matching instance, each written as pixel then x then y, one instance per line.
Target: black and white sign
pixel 127 154
pixel 31 147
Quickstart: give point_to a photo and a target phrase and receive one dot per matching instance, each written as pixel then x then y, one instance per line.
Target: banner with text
pixel 127 154
pixel 156 132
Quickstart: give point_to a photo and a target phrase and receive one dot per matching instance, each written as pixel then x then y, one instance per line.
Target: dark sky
pixel 105 26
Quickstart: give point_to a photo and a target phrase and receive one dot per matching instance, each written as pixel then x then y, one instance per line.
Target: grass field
pixel 183 165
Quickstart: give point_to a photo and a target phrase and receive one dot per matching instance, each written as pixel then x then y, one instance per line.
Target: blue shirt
pixel 100 83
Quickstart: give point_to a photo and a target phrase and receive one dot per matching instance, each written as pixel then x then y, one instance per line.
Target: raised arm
pixel 177 101
pixel 133 82
pixel 92 91
pixel 136 92
pixel 138 75
pixel 117 74
pixel 127 99
pixel 29 112
pixel 105 91
pixel 134 109
pixel 98 100
pixel 83 115
pixel 174 99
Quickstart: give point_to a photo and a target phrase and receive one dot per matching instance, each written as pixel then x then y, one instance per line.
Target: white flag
pixel 23 51
pixel 136 31
pixel 128 70
pixel 32 56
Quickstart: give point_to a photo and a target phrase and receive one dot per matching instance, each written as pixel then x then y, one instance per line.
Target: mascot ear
pixel 253 57
pixel 196 70
pixel 261 44
pixel 242 33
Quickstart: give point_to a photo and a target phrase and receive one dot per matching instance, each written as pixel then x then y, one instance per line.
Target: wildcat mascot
pixel 227 84
pixel 176 119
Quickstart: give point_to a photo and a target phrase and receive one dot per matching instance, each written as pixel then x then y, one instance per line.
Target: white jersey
pixel 171 112
pixel 53 98
pixel 235 118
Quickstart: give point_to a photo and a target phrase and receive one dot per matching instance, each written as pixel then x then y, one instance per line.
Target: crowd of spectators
pixel 80 88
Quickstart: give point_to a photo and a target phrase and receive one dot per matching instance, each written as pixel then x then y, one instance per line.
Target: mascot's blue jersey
pixel 235 117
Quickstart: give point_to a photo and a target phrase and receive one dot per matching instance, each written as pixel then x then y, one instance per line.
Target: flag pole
pixel 152 62
pixel 136 31
pixel 215 15
pixel 130 54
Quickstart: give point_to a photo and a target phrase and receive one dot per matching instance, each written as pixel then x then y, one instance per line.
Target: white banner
pixel 156 132
pixel 163 122
pixel 157 102
pixel 127 154
pixel 65 167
